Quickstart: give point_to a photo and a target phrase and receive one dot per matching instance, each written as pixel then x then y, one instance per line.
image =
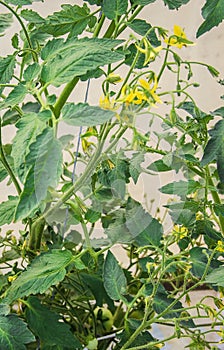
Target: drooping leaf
pixel 214 149
pixel 114 278
pixel 14 333
pixel 82 114
pixel 216 277
pixel 70 19
pixel 114 8
pixel 15 97
pixel 7 210
pixel 135 166
pixel 175 4
pixel 75 57
pixel 7 66
pixel 213 12
pixel 45 167
pixel 181 188
pixel 29 127
pixel 48 327
pixel 45 271
pixel 5 21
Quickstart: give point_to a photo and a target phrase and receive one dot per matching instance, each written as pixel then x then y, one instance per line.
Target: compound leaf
pixel 5 21
pixel 216 277
pixel 75 57
pixel 45 271
pixel 7 66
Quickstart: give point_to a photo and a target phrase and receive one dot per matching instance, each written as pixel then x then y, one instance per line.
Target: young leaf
pixel 84 115
pixel 175 4
pixel 181 188
pixel 114 8
pixel 29 127
pixel 45 167
pixel 45 271
pixel 7 210
pixel 14 333
pixel 75 57
pixel 70 19
pixel 7 66
pixel 5 21
pixel 213 12
pixel 48 327
pixel 114 278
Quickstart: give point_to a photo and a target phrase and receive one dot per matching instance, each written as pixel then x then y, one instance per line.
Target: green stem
pixel 34 54
pixel 99 26
pixel 163 66
pixel 6 164
pixel 64 96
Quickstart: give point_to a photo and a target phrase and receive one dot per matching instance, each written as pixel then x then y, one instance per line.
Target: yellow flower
pixel 105 103
pixel 180 231
pixel 220 246
pixel 148 50
pixel 179 39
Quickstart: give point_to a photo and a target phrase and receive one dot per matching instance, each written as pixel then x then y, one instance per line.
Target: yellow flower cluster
pixel 180 231
pixel 220 246
pixel 143 91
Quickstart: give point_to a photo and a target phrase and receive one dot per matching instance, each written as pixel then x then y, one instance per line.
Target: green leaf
pixel 135 166
pixel 7 210
pixel 6 20
pixel 29 127
pixel 31 72
pixel 216 277
pixel 45 162
pixel 75 57
pixel 214 149
pixel 14 333
pixel 4 309
pixel 32 17
pixel 45 271
pixel 140 26
pixel 70 19
pixel 7 66
pixel 114 8
pixel 151 235
pixel 213 12
pixel 159 166
pixel 181 188
pixel 175 4
pixel 3 172
pixel 21 2
pixel 143 2
pixel 48 326
pixel 114 278
pixel 199 259
pixel 15 97
pixel 84 115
